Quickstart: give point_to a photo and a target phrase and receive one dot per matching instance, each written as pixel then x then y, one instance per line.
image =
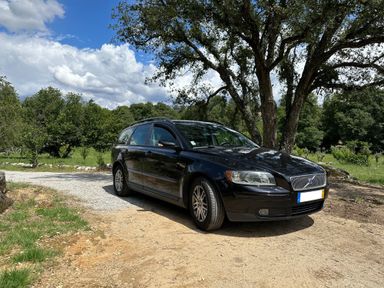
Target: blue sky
pixel 67 44
pixel 87 21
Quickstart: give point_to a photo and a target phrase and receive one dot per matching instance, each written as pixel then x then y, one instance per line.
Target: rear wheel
pixel 205 205
pixel 119 182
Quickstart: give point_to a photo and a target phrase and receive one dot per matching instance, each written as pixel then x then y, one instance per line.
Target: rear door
pixel 135 153
pixel 162 166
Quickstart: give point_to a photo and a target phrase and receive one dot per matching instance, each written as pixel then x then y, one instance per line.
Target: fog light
pixel 264 212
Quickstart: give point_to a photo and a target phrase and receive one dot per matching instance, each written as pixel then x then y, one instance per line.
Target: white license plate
pixel 310 196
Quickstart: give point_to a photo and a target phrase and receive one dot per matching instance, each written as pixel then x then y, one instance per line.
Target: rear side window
pixel 161 134
pixel 124 136
pixel 140 136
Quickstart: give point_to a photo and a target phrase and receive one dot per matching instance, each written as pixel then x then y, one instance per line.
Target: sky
pixel 67 44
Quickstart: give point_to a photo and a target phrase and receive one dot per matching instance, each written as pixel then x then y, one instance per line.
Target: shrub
pixel 320 156
pixel 84 151
pixel 301 152
pixel 100 161
pixel 355 152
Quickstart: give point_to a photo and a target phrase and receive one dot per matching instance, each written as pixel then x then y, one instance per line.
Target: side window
pixel 124 136
pixel 161 134
pixel 139 137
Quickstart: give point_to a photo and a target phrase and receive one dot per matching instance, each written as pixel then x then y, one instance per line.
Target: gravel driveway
pixel 157 245
pixel 94 189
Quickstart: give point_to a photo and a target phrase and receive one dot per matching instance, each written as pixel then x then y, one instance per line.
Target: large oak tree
pixel 306 45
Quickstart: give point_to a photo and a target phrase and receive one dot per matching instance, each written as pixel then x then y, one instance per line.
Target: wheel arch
pixel 186 189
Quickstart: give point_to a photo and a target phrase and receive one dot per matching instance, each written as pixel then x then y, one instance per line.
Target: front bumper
pixel 248 204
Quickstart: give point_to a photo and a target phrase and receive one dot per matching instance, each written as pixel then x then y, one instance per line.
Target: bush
pixel 301 152
pixel 355 152
pixel 84 151
pixel 100 161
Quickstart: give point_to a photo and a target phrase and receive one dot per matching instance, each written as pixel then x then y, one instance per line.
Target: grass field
pixel 38 213
pixel 74 159
pixel 374 173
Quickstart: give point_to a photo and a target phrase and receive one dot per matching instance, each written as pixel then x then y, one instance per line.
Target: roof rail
pixel 151 119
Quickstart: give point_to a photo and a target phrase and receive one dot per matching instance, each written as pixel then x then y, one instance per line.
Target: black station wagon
pixel 215 172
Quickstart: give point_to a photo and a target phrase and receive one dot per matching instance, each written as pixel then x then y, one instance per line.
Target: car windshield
pixel 201 135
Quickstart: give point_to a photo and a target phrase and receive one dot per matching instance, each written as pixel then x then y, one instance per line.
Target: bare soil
pixel 157 245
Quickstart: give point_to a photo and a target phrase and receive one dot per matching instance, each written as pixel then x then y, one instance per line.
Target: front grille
pixel 307 182
pixel 307 208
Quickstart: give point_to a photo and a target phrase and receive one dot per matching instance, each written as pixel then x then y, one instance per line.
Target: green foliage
pixel 100 161
pixel 320 156
pixel 246 42
pixel 301 152
pixel 355 152
pixel 10 116
pixel 17 278
pixel 84 152
pixel 356 115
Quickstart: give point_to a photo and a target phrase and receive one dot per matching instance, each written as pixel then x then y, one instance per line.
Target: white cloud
pixel 29 15
pixel 110 75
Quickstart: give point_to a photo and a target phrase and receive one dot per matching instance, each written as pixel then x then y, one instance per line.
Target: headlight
pixel 251 178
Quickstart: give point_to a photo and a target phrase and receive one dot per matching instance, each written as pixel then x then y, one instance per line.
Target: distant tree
pixel 147 110
pixel 42 111
pixel 355 115
pixel 68 128
pixel 10 116
pixel 337 44
pixel 97 123
pixel 141 110
pixel 121 118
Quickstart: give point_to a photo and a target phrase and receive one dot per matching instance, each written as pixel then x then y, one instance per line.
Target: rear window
pixel 140 136
pixel 124 136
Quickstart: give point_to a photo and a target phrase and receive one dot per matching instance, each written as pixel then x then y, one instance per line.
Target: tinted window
pixel 203 135
pixel 161 134
pixel 139 137
pixel 124 136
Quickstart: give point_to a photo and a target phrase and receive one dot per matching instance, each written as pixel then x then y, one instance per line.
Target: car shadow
pixel 233 229
pixel 85 177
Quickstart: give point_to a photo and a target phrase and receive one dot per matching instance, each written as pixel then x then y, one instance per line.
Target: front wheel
pixel 205 205
pixel 119 182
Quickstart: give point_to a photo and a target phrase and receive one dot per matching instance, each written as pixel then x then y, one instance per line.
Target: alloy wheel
pixel 200 203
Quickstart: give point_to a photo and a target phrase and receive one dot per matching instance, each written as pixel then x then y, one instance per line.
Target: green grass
pixel 34 254
pixel 15 278
pixel 74 159
pixel 25 224
pixel 374 173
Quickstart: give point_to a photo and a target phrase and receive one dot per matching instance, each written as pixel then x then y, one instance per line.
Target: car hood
pixel 262 159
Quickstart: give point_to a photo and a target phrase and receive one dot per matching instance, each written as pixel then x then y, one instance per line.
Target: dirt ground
pixel 158 246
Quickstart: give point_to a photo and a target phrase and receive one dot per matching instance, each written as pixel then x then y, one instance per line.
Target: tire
pixel 120 183
pixel 204 195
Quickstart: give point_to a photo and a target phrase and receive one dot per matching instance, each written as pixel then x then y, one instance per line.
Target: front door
pixel 162 167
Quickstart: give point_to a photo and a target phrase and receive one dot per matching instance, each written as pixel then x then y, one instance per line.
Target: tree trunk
pixel 268 109
pixel 5 202
pixel 291 122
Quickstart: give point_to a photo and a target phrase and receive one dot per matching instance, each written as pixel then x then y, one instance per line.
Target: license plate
pixel 310 196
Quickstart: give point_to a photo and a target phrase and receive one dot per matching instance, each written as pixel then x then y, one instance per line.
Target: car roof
pixel 174 121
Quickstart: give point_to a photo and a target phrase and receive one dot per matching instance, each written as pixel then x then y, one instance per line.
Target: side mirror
pixel 167 144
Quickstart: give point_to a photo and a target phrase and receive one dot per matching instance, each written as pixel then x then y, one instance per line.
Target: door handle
pixel 148 153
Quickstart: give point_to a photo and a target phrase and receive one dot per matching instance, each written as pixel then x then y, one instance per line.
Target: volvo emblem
pixel 310 181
